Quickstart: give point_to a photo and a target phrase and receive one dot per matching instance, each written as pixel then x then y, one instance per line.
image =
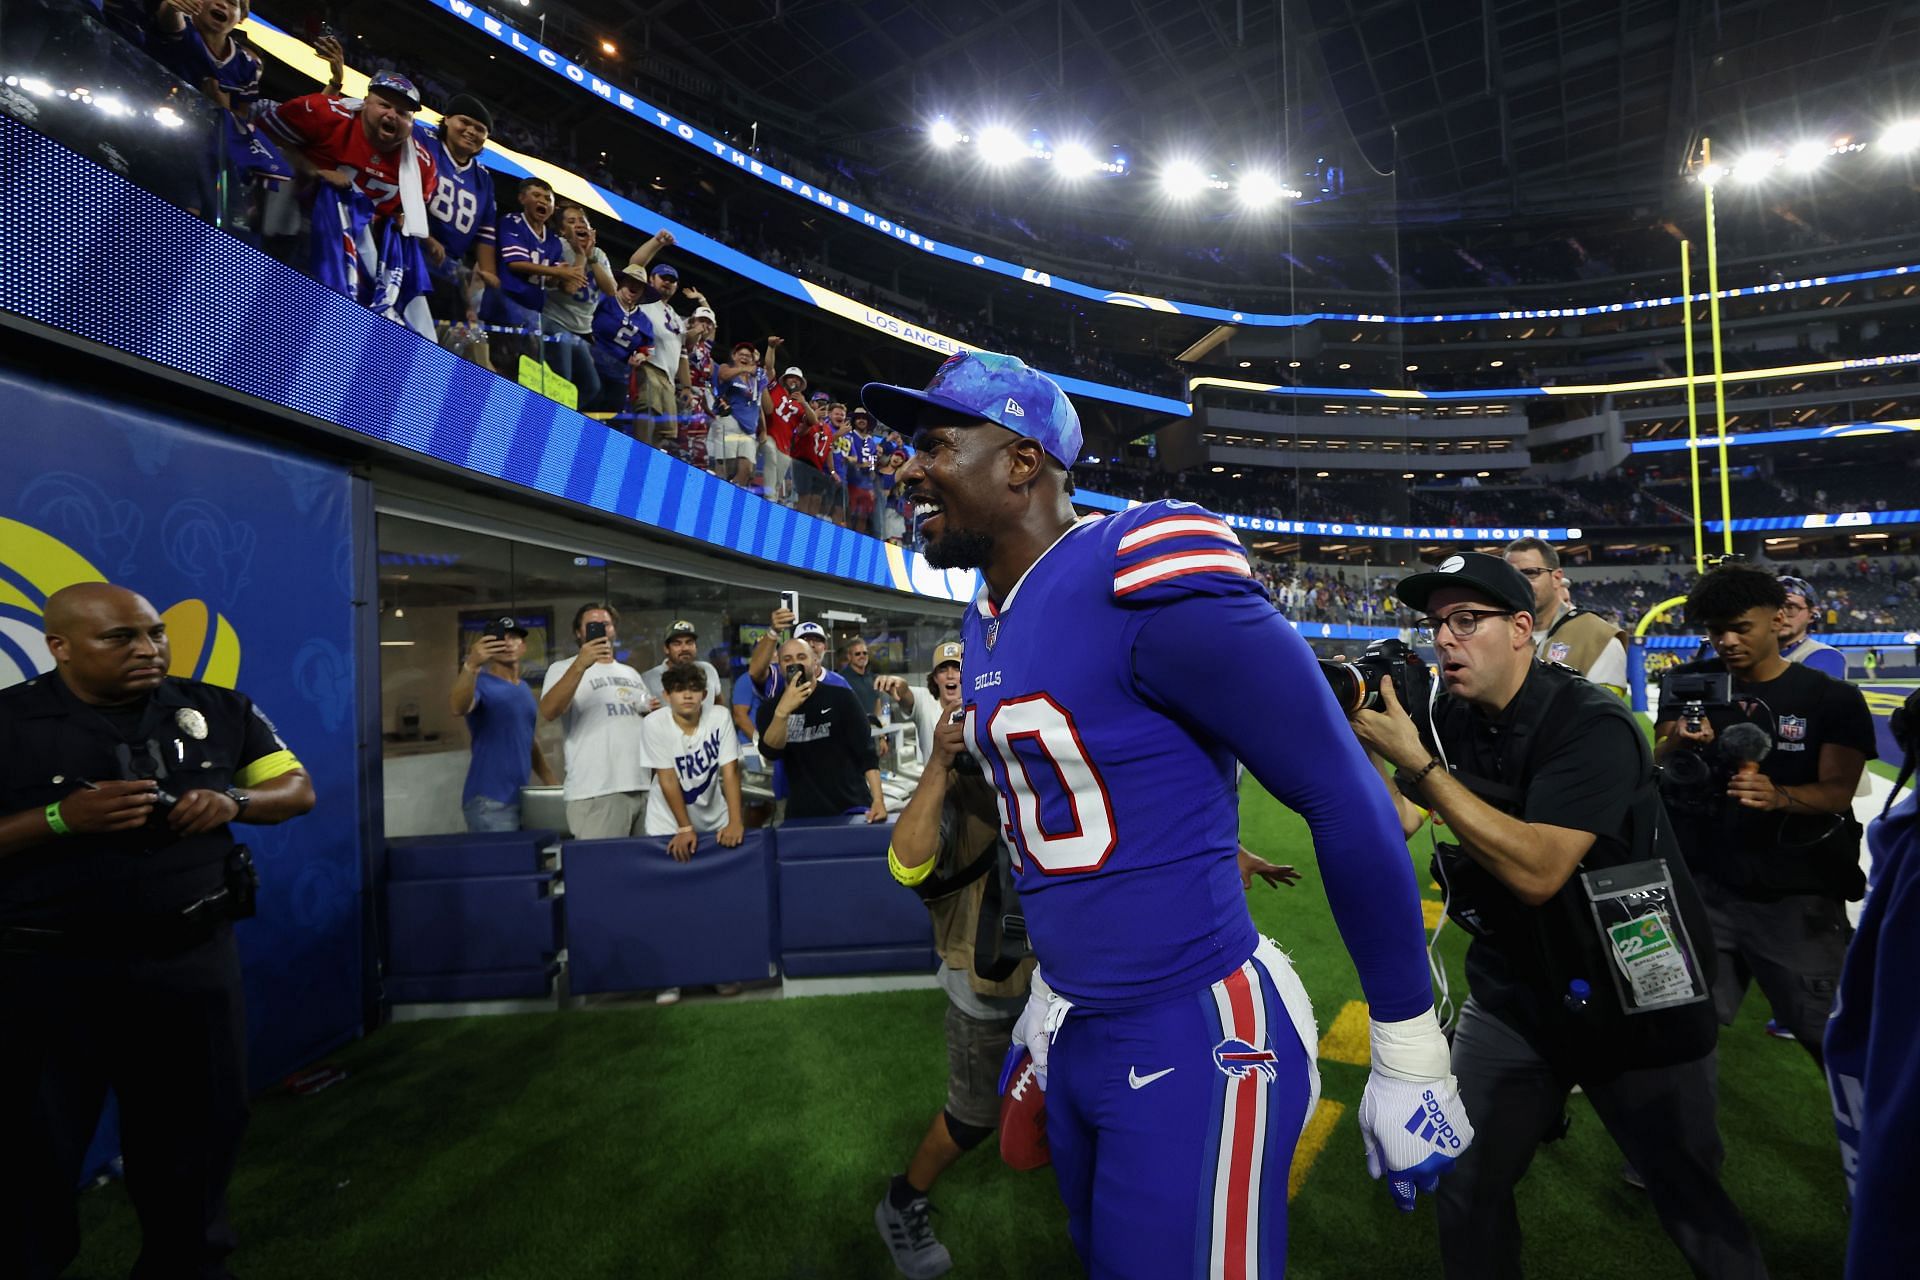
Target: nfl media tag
pixel 191 723
pixel 1558 651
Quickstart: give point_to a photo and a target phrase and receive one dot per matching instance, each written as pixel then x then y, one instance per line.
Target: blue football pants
pixel 1172 1126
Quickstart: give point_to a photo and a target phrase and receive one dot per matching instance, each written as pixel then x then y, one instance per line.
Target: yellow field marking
pixel 1431 909
pixel 1313 1138
pixel 1346 1040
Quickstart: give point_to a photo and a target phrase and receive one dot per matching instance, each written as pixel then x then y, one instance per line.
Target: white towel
pixel 413 203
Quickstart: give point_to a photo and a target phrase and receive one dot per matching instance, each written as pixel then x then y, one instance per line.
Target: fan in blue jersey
pixel 622 337
pixel 1175 1045
pixel 461 211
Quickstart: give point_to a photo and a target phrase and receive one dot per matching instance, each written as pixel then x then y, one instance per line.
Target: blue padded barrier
pixel 637 920
pixel 471 916
pixel 841 910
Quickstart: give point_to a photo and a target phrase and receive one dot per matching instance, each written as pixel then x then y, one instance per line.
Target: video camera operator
pixel 1760 757
pixel 1583 968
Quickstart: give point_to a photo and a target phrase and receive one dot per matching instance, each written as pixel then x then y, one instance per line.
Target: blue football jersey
pixel 1123 821
pixel 462 209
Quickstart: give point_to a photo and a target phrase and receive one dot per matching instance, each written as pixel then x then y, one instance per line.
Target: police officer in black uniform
pixel 119 879
pixel 1776 848
pixel 1584 966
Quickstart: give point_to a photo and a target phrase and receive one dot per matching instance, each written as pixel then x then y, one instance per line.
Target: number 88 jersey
pixel 1123 820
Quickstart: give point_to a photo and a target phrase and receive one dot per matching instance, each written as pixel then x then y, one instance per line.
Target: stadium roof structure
pixel 1489 108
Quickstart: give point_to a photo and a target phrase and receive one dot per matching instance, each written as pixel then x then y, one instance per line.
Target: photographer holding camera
pixel 1759 774
pixel 1581 969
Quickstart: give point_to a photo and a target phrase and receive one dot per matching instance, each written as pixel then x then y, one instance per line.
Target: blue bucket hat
pixel 984 384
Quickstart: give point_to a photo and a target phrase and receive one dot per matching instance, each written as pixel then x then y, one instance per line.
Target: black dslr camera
pixel 1692 692
pixel 1356 684
pixel 1695 779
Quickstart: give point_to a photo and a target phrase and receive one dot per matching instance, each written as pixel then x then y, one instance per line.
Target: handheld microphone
pixel 1746 744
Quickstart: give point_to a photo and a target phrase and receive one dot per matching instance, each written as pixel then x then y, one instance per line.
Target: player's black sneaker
pixel 908 1232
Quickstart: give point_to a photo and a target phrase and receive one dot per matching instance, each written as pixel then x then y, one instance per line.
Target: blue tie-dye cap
pixel 985 384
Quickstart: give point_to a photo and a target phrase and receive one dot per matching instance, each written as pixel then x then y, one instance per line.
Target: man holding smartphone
pixel 500 712
pixel 821 732
pixel 600 701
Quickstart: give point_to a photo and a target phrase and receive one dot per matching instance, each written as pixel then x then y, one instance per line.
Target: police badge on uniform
pixel 1558 651
pixel 191 723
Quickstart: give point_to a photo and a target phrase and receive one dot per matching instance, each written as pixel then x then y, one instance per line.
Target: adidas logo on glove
pixel 1429 1123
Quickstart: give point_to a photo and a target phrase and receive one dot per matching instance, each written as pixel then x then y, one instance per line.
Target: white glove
pixel 1034 1031
pixel 1411 1118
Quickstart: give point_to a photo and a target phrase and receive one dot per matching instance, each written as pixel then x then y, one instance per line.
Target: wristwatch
pixel 241 799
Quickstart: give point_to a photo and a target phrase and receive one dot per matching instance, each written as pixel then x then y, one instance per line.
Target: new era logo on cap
pixel 986 386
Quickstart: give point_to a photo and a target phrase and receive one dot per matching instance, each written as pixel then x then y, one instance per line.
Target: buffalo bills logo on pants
pixel 1238 1059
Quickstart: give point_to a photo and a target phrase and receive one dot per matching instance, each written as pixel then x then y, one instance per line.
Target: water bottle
pixel 1578 993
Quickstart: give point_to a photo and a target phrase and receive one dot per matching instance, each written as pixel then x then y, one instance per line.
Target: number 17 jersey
pixel 1123 820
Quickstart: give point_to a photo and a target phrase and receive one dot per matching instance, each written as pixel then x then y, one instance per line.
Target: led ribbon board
pixel 1839 431
pixel 1535 393
pixel 214 308
pixel 300 56
pixel 587 81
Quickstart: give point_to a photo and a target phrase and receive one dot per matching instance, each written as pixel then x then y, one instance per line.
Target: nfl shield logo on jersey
pixel 1558 651
pixel 993 631
pixel 1793 728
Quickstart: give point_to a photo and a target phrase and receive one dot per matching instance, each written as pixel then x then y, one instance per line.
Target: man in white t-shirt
pixel 943 683
pixel 695 755
pixel 600 702
pixel 680 645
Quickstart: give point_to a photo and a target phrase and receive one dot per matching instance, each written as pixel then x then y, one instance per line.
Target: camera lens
pixel 1349 685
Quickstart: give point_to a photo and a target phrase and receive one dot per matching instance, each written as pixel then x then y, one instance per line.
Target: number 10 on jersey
pixel 1054 807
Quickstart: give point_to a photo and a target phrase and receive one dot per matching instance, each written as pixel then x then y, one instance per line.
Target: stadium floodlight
pixel 1805 157
pixel 1345 365
pixel 944 134
pixel 1246 364
pixel 609 48
pixel 1709 175
pixel 1182 180
pixel 1260 190
pixel 1218 470
pixel 1413 368
pixel 1074 160
pixel 1753 166
pixel 1901 137
pixel 1293 364
pixel 1495 364
pixel 1000 145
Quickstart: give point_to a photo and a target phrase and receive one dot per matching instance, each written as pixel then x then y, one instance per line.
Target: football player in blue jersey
pixel 1175 1044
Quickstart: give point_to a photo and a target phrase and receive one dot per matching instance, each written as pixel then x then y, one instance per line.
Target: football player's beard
pixel 960 549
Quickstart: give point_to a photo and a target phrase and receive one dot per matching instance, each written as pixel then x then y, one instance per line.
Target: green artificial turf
pixel 753 1139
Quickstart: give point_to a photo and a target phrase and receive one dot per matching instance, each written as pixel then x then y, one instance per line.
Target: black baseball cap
pixel 508 627
pixel 1484 575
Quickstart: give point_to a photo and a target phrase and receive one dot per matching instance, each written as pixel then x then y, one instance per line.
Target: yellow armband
pixel 266 769
pixel 908 876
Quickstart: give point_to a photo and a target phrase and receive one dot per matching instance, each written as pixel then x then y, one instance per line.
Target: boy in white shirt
pixel 695 755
